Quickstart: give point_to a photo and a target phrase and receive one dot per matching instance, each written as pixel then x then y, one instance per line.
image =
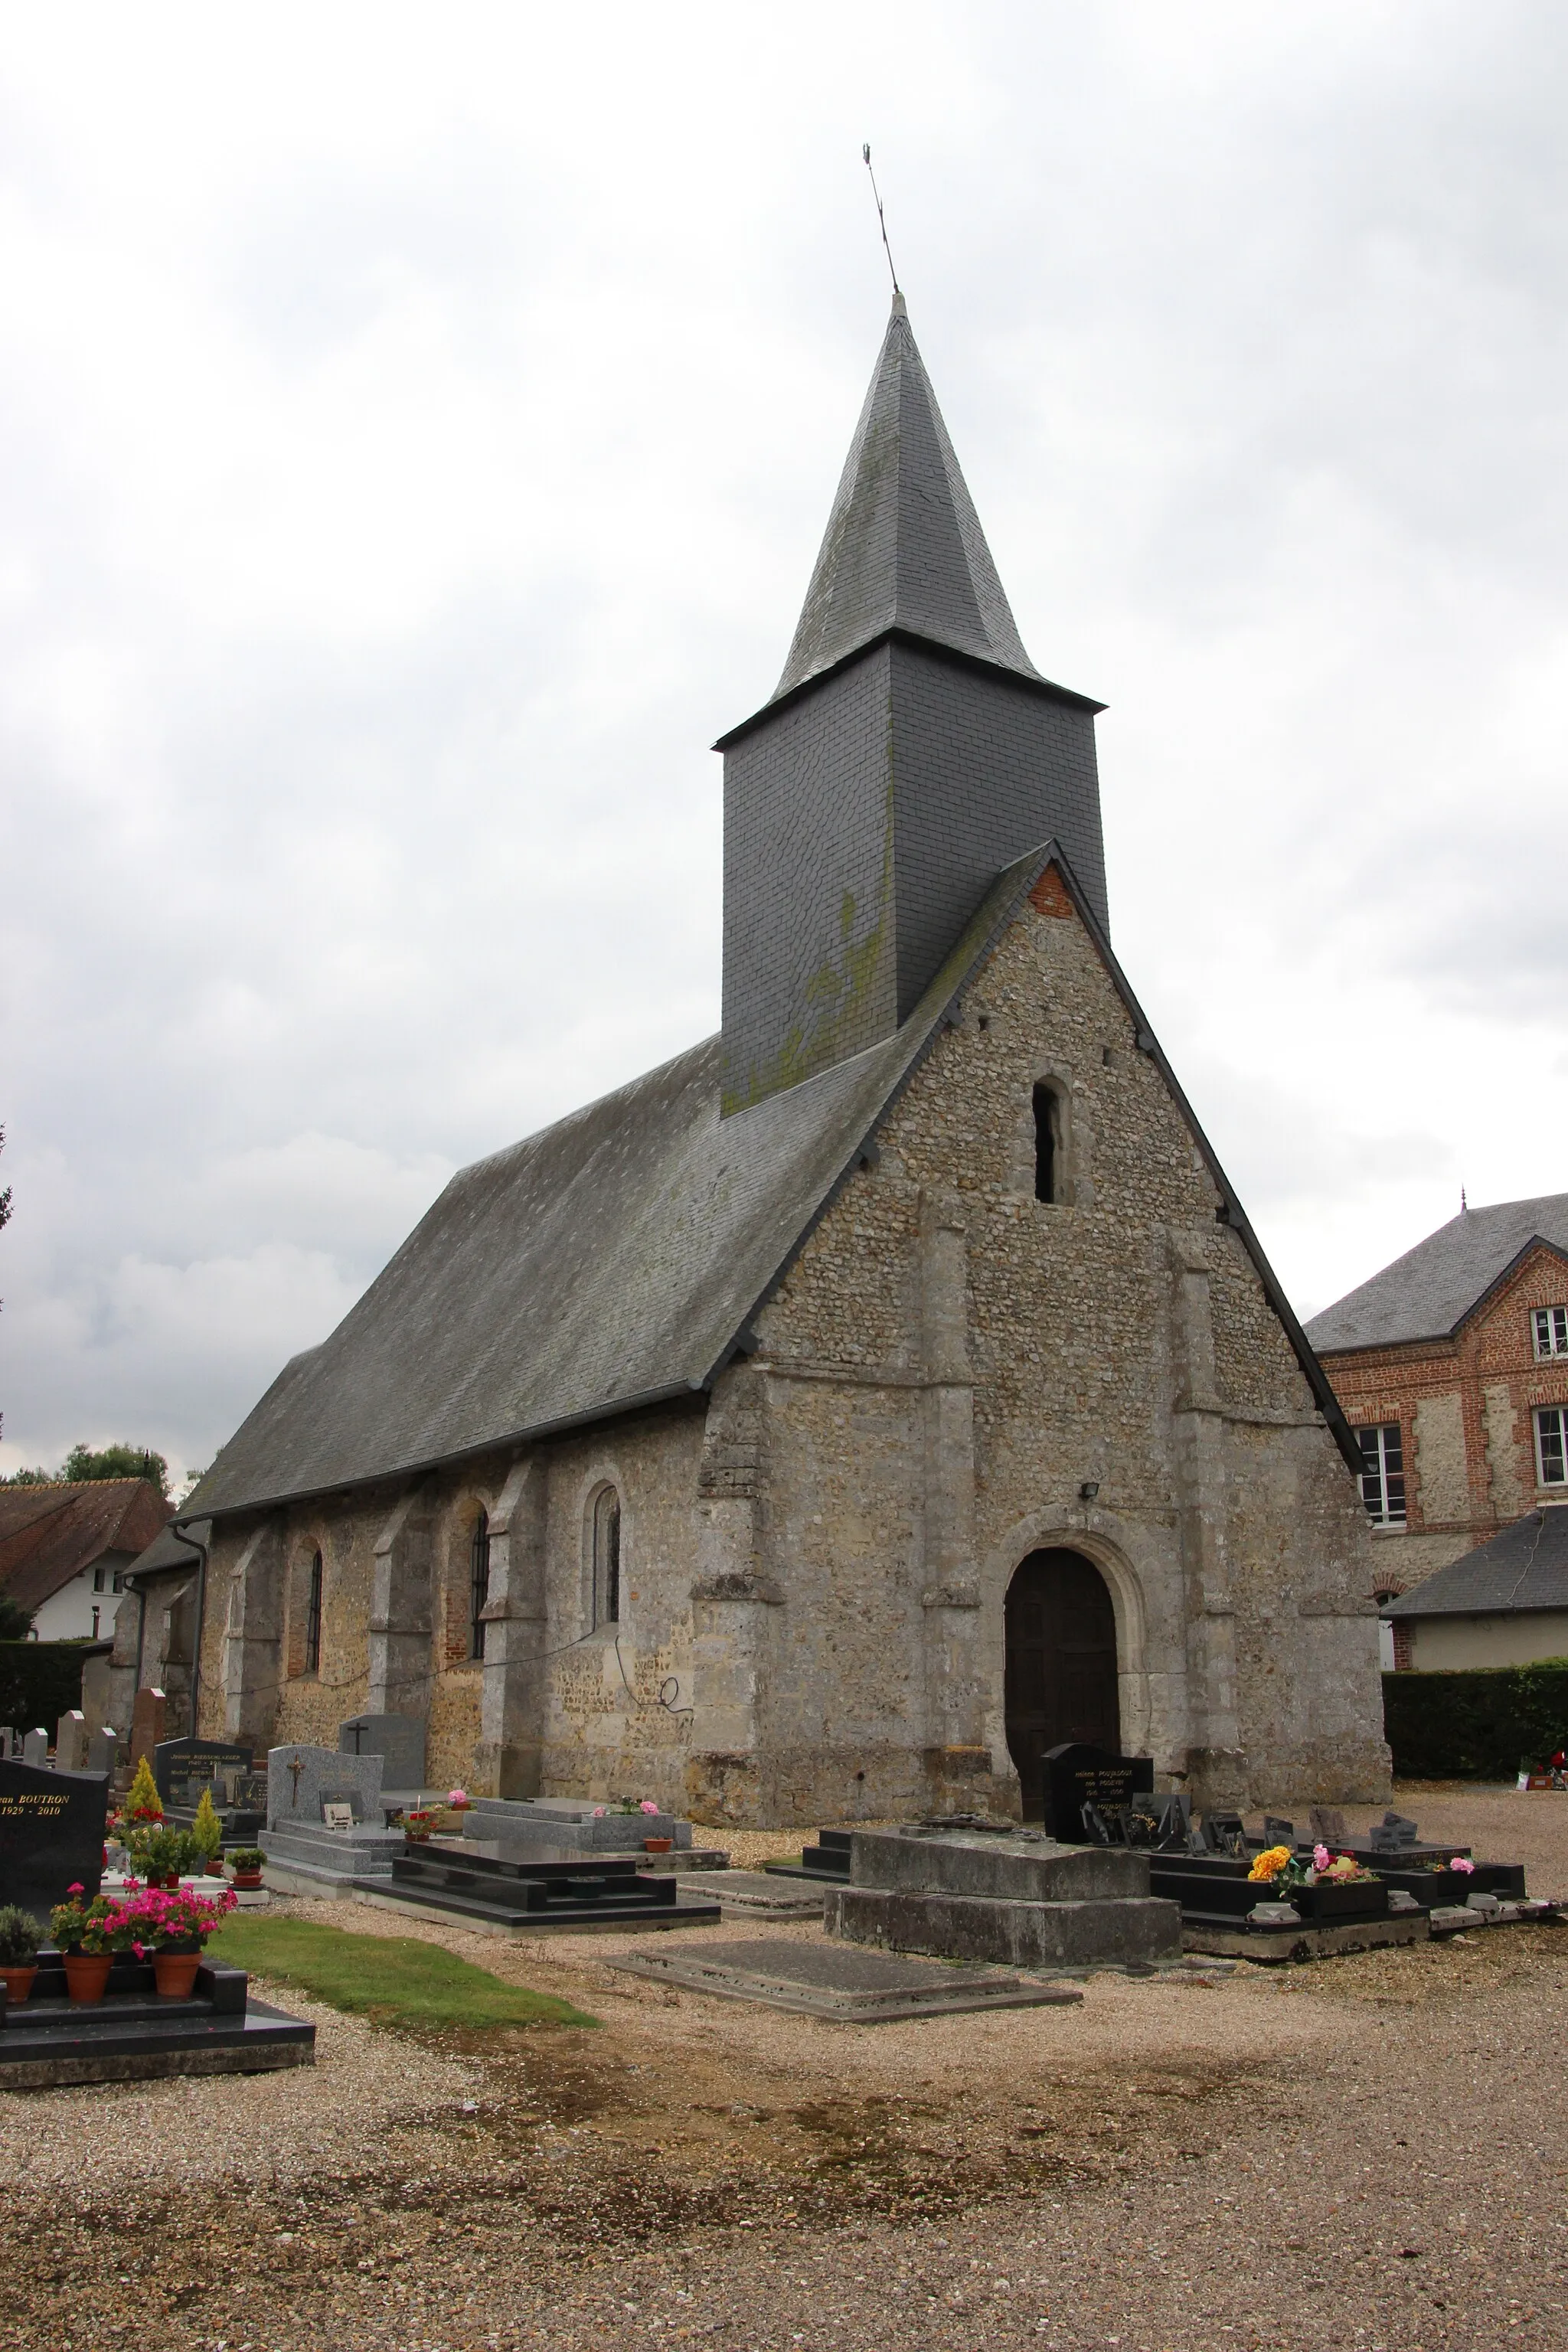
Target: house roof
pixel 903 549
pixel 167 1551
pixel 49 1534
pixel 614 1261
pixel 1429 1292
pixel 1525 1566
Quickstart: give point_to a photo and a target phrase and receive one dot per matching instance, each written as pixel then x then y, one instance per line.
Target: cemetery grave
pixel 52 1826
pixel 853 1988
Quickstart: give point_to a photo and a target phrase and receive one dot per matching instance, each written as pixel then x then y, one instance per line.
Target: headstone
pixel 1224 1832
pixel 103 1750
pixel 70 1742
pixel 1077 1774
pixel 183 1768
pixel 301 1781
pixel 1277 1832
pixel 51 1834
pixel 36 1748
pixel 1328 1825
pixel 96 1688
pixel 397 1739
pixel 146 1723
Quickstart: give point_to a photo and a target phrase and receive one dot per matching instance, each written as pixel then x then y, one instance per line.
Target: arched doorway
pixel 1060 1631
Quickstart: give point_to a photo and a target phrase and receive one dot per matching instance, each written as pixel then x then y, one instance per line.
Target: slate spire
pixel 903 546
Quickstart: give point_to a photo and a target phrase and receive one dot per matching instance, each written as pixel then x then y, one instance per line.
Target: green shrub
pixel 19 1937
pixel 1477 1723
pixel 39 1682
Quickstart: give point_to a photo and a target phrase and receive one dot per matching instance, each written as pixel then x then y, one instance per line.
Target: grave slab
pixel 841 1982
pixel 1272 1946
pixel 1121 1931
pixel 766 1894
pixel 570 1820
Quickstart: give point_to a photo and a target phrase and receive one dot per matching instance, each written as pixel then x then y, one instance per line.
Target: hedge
pixel 1480 1722
pixel 39 1682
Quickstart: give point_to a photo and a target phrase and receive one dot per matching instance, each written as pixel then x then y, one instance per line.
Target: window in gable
pixel 1047 1144
pixel 1552 1445
pixel 1551 1331
pixel 1383 1474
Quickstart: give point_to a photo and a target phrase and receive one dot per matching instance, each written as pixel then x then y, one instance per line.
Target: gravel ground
pixel 1361 2153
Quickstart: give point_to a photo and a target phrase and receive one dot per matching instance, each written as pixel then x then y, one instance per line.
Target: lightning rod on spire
pixel 866 152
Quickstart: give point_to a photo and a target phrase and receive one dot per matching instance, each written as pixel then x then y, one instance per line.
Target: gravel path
pixel 1362 2154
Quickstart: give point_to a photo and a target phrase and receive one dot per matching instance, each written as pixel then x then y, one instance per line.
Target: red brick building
pixel 1452 1368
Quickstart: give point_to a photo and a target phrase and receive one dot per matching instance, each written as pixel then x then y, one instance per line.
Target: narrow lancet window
pixel 1047 1144
pixel 313 1618
pixel 479 1584
pixel 607 1557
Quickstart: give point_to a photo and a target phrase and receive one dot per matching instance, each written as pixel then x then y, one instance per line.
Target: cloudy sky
pixel 418 428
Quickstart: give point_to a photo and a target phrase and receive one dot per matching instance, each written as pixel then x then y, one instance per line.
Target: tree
pixel 85 1462
pixel 16 1623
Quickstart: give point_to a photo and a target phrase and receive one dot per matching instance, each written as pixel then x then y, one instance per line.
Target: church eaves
pixel 903 548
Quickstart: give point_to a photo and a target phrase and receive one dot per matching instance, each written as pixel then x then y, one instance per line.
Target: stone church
pixel 889 1387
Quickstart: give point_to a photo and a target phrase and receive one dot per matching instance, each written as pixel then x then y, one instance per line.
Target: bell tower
pixel 910 750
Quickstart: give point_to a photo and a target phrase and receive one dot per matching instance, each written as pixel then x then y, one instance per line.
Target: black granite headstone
pixel 51 1834
pixel 1077 1774
pixel 183 1768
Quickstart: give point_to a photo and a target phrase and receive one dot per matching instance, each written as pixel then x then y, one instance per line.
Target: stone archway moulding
pixel 1100 1538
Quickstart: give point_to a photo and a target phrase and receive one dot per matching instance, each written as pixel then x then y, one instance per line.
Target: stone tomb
pixel 301 1783
pixel 1077 1774
pixel 1024 1900
pixel 570 1822
pixel 183 1769
pixel 852 1988
pixel 51 1834
pixel 397 1739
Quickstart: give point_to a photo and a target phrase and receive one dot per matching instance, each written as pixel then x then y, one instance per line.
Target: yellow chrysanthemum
pixel 1269 1863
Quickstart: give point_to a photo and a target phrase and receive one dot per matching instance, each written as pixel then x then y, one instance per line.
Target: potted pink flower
pixel 460 1801
pixel 170 1929
pixel 88 1935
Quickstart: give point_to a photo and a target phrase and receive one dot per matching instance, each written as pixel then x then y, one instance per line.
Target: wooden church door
pixel 1061 1664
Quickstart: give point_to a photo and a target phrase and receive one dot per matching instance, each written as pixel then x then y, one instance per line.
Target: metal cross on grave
pixel 296 1766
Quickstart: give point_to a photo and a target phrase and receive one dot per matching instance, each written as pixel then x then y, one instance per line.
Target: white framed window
pixel 1552 1445
pixel 1383 1474
pixel 1551 1331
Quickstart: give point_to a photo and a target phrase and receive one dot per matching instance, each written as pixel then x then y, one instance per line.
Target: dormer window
pixel 1551 1332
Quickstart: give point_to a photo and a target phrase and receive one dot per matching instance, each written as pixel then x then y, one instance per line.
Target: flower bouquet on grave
pixel 459 1802
pixel 170 1929
pixel 418 1824
pixel 88 1935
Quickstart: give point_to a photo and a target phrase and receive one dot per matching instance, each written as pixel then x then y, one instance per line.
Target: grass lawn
pixel 392 1980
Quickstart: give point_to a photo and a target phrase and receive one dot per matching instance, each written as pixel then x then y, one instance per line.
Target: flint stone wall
pixel 815 1558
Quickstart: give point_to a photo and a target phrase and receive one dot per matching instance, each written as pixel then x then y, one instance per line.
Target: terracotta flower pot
pixel 247 1881
pixel 656 1845
pixel 174 1974
pixel 18 1983
pixel 214 1867
pixel 87 1973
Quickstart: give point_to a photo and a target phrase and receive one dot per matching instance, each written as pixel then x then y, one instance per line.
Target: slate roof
pixel 166 1551
pixel 1429 1292
pixel 49 1534
pixel 1525 1566
pixel 903 548
pixel 612 1261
